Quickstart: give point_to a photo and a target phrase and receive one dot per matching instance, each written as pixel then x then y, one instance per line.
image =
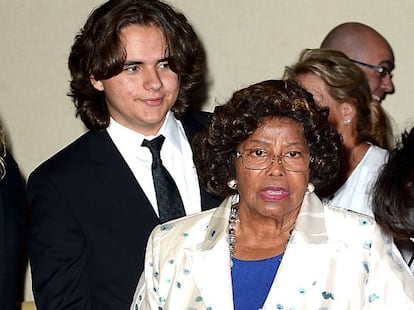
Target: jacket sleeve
pixel 57 249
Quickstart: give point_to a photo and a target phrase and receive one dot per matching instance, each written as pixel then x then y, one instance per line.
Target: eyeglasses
pixel 383 71
pixel 260 159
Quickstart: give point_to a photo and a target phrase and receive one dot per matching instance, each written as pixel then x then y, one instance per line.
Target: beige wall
pixel 246 41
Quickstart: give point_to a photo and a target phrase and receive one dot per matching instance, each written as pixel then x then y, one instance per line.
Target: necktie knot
pixel 155 146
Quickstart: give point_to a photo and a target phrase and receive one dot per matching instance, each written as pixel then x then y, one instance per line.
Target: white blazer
pixel 335 259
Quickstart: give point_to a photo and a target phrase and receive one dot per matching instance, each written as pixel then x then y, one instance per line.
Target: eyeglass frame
pixel 279 160
pixel 383 71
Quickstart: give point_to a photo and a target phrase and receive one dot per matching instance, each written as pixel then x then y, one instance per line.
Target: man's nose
pixel 152 80
pixel 387 84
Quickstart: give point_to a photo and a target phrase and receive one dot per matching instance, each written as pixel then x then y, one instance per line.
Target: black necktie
pixel 170 205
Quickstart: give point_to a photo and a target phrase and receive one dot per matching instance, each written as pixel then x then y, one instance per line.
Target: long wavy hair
pixel 381 128
pixel 98 51
pixel 249 108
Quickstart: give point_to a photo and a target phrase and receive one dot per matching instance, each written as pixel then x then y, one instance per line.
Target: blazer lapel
pixel 212 276
pixel 210 262
pixel 308 243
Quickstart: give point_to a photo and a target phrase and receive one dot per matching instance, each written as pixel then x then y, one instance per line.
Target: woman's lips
pixel 271 193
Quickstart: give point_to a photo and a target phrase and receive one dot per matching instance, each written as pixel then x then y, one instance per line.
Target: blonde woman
pixel 336 82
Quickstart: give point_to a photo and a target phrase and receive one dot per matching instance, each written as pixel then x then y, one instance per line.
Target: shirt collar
pixel 169 130
pixel 122 136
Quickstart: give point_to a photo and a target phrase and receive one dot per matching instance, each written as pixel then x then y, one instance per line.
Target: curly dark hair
pixel 98 51
pixel 393 202
pixel 247 110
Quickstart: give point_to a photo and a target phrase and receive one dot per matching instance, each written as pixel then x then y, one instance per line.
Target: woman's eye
pixel 258 152
pixel 293 154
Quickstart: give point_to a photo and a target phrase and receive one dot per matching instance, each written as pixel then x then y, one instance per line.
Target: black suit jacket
pixel 12 201
pixel 89 224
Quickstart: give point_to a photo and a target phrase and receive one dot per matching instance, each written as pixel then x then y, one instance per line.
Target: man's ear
pixel 96 84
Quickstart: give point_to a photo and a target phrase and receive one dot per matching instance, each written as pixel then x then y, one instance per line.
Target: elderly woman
pixel 339 84
pixel 271 244
pixel 394 196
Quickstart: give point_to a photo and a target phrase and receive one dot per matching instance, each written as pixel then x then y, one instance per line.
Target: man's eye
pixel 130 68
pixel 164 65
pixel 385 71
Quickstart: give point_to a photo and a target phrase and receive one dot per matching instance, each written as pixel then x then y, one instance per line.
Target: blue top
pixel 251 280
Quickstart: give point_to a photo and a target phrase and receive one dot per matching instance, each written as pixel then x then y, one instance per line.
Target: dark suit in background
pixel 12 201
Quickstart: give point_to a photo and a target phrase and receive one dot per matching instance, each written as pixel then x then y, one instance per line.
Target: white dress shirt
pixel 176 155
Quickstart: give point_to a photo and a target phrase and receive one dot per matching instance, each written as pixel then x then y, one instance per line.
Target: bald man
pixel 370 50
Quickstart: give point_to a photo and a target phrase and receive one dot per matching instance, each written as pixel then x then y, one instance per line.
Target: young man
pixel 135 66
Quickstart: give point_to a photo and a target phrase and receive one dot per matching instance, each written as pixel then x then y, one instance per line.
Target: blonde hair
pixel 344 81
pixel 381 128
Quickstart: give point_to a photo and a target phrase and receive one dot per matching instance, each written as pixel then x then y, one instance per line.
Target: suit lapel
pixel 118 183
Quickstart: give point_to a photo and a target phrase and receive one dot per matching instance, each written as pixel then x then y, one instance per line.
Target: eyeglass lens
pixel 260 159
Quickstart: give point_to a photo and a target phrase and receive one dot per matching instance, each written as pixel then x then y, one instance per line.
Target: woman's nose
pixel 276 166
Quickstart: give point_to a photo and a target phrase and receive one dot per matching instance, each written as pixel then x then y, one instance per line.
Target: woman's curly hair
pixel 247 110
pixel 98 51
pixel 393 202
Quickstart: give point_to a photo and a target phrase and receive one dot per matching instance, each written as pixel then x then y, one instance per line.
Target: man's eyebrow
pixel 132 62
pixel 138 62
pixel 388 63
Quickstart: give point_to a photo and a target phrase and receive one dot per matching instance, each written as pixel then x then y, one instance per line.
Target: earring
pixel 232 184
pixel 347 122
pixel 310 188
